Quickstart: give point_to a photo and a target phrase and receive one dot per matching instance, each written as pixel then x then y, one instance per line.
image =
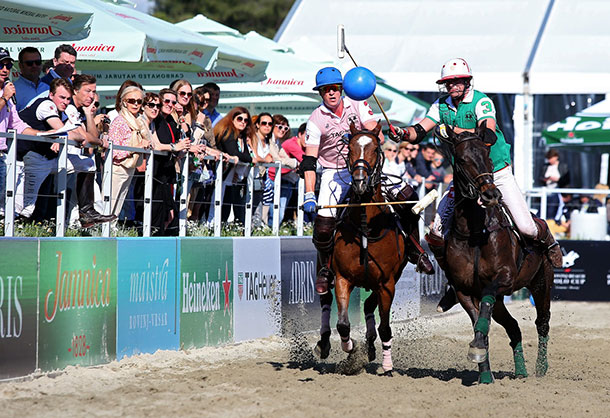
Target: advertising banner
pixel 205 284
pixel 18 306
pixel 256 287
pixel 147 301
pixel 300 302
pixel 585 275
pixel 78 292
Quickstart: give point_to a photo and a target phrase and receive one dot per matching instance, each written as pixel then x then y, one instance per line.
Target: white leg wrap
pixel 387 356
pixel 347 346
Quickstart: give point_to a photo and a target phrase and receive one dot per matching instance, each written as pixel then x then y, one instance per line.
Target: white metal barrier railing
pixel 544 192
pixel 12 139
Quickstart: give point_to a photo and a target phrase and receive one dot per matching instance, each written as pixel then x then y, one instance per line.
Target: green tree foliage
pixel 262 16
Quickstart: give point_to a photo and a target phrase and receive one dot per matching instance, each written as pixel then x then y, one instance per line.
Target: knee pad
pixel 323 233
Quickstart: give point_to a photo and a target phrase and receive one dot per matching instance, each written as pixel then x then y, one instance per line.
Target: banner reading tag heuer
pixel 18 296
pixel 206 298
pixel 77 302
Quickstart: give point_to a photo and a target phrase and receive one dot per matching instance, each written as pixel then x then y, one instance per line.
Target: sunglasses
pixel 30 63
pixel 392 150
pixel 282 127
pixel 334 87
pixel 265 123
pixel 184 93
pixel 96 104
pixel 205 100
pixel 134 101
pixel 241 119
pixel 7 65
pixel 168 101
pixel 153 105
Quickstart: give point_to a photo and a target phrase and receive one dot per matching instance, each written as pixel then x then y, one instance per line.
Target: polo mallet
pixel 341 50
pixel 418 205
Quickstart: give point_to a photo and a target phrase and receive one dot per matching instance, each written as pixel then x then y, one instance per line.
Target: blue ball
pixel 359 83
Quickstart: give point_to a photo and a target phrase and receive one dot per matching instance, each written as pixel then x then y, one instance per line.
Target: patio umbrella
pixel 42 20
pixel 124 39
pixel 582 133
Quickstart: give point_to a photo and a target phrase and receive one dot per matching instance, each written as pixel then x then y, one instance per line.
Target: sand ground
pixel 278 377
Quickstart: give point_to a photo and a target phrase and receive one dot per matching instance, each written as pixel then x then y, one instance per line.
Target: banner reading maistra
pixel 78 292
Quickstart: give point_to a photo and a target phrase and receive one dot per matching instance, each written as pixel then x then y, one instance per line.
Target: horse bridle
pixel 373 174
pixel 469 187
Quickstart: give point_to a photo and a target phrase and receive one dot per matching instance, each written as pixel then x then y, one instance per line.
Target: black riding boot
pixel 437 246
pixel 86 196
pixel 324 240
pixel 409 220
pixel 546 241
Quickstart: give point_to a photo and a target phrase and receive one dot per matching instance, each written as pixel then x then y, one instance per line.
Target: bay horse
pixel 486 259
pixel 370 251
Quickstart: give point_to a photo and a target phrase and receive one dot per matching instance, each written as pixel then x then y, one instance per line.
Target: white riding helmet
pixel 454 68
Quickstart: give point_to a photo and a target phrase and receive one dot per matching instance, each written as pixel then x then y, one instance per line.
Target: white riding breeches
pixel 335 184
pixel 511 197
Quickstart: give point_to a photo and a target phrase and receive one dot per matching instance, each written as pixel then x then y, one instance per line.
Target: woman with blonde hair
pixel 127 129
pixel 185 109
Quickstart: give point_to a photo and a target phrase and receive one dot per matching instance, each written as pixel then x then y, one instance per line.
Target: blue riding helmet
pixel 326 76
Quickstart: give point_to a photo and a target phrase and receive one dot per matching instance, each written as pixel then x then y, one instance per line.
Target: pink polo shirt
pixel 326 130
pixel 9 119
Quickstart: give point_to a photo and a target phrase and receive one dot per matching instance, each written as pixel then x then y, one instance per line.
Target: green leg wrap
pixel 542 365
pixel 520 370
pixel 482 325
pixel 488 299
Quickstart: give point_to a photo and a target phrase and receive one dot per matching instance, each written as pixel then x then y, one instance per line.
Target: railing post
pixel 184 178
pixel 300 213
pixel 277 189
pixel 107 188
pixel 543 203
pixel 218 199
pixel 249 196
pixel 62 181
pixel 422 219
pixel 148 186
pixel 11 187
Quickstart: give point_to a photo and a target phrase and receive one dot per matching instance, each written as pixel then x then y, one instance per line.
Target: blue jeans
pixel 286 189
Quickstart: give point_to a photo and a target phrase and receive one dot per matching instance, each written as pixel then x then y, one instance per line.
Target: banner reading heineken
pixel 77 305
pixel 18 298
pixel 206 301
pixel 147 301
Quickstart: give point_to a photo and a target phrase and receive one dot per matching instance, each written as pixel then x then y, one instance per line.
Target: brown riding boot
pixel 323 240
pixel 546 241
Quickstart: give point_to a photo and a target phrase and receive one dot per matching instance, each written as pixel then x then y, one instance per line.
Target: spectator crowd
pixel 54 98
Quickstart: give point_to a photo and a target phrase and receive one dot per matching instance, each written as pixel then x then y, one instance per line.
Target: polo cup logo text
pixel 77 289
pixel 302 282
pixel 31 30
pixel 11 314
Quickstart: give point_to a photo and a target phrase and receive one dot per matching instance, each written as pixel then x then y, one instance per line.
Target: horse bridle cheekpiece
pixel 469 187
pixel 373 174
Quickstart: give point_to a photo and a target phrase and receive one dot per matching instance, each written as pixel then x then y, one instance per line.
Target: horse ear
pixel 480 131
pixel 352 128
pixel 377 128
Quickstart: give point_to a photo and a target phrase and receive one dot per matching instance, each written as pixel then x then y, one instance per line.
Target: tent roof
pixel 406 41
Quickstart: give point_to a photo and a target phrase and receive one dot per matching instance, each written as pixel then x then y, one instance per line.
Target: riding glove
pixel 399 136
pixel 310 204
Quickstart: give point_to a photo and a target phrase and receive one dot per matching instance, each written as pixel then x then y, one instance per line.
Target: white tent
pixel 514 46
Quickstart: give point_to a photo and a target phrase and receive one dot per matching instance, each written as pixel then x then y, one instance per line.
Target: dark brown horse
pixel 486 259
pixel 370 251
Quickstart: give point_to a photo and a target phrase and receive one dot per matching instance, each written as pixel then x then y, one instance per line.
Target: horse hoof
pixel 322 349
pixel 486 378
pixel 477 355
